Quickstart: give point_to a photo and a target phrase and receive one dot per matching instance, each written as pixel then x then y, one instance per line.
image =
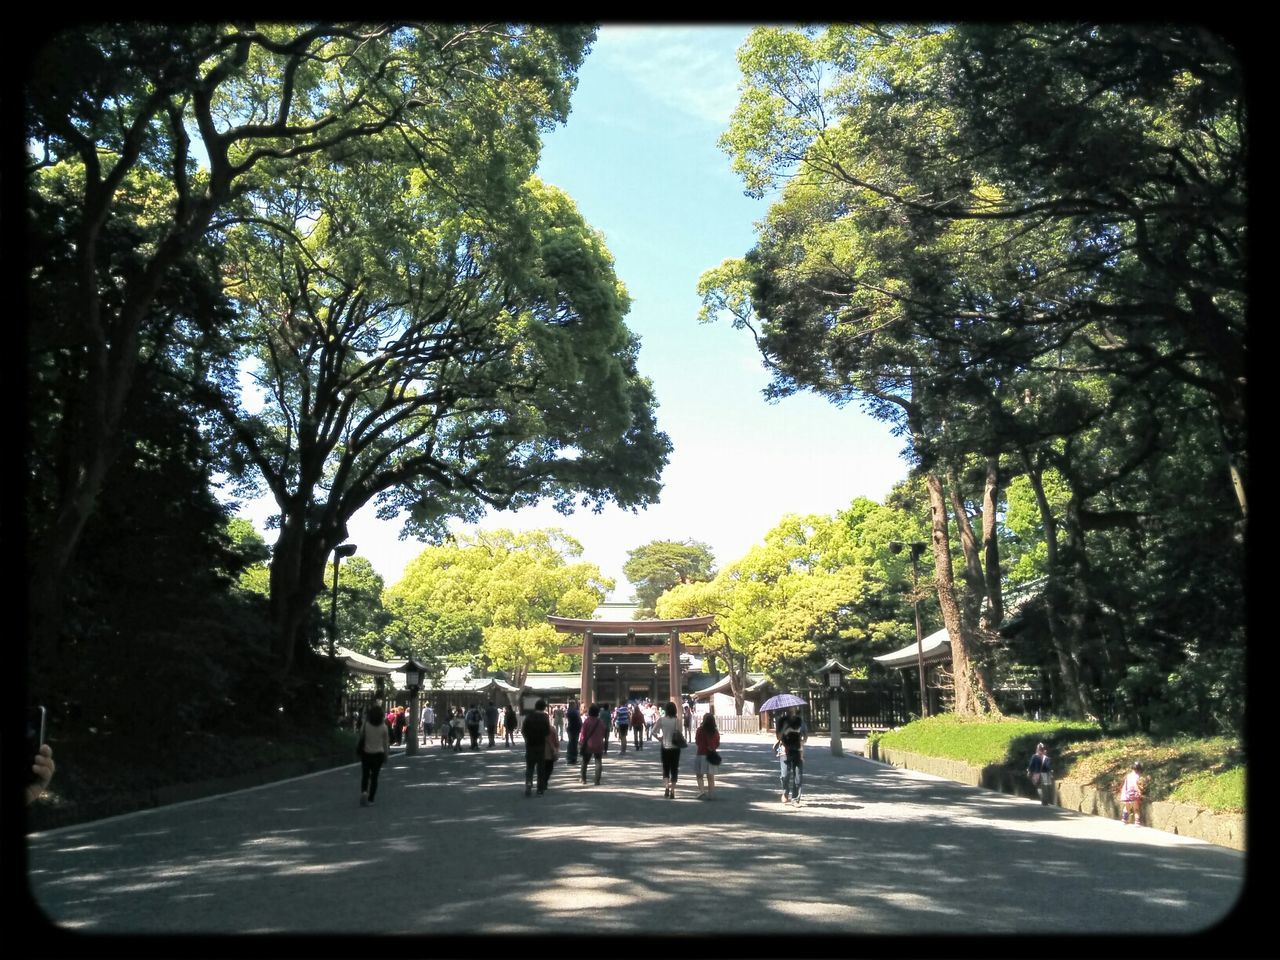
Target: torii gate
pixel 631 629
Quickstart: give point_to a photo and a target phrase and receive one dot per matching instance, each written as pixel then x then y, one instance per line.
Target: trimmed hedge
pixel 981 742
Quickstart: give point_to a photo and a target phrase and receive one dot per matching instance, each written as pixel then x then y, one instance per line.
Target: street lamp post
pixel 340 551
pixel 413 673
pixel 833 670
pixel 917 548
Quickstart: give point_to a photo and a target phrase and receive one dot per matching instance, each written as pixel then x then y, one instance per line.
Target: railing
pixel 861 708
pixel 731 723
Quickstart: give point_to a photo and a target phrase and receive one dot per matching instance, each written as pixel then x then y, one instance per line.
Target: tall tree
pixel 933 253
pixel 655 567
pixel 814 589
pixel 485 599
pixel 182 118
pixel 437 359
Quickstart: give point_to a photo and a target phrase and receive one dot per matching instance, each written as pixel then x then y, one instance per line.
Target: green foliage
pixel 1217 791
pixel 1025 245
pixel 657 566
pixel 1027 559
pixel 816 588
pixel 154 624
pixel 155 146
pixel 981 742
pixel 362 621
pixel 1208 772
pixel 486 597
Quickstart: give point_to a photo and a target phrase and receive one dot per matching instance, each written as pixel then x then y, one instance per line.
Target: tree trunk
pixel 971 608
pixel 991 547
pixel 973 697
pixel 1060 636
pixel 297 578
pixel 737 680
pixel 1077 600
pixel 974 582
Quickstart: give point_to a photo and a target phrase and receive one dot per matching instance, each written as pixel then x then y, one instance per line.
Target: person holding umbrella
pixel 792 735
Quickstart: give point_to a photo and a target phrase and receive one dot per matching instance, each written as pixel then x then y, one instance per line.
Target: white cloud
pixel 683 67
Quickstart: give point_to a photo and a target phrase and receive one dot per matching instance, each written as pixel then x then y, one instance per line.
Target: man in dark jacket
pixel 535 730
pixel 491 720
pixel 573 720
pixel 474 720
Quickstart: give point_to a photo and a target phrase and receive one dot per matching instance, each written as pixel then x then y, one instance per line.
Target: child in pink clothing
pixel 1131 795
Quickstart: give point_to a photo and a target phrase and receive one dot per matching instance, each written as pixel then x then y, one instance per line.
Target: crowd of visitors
pixel 583 737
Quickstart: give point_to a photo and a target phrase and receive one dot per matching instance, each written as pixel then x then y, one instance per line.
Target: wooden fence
pixel 731 723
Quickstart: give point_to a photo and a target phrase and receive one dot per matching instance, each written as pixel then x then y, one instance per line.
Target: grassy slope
pixel 1208 771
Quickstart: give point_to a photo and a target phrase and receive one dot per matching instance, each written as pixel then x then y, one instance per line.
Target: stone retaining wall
pixel 1184 819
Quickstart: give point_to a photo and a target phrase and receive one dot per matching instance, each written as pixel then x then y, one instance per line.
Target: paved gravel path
pixel 874 849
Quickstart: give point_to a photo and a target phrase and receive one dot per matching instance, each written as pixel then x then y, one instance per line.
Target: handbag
pixel 678 741
pixel 713 757
pixel 360 745
pixel 552 751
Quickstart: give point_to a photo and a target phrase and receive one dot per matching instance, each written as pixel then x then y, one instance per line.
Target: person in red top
pixel 592 739
pixel 707 740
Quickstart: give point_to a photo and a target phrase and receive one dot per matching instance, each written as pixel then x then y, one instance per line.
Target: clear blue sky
pixel 639 156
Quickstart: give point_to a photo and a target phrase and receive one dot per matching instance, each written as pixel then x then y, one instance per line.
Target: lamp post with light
pixel 340 551
pixel 833 672
pixel 413 673
pixel 917 548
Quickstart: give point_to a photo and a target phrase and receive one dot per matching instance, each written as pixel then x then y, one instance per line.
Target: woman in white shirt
pixel 668 727
pixel 375 742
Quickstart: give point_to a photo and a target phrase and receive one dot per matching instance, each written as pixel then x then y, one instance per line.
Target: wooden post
pixel 587 688
pixel 673 668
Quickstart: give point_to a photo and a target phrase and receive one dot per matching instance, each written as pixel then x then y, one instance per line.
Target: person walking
pixel 606 717
pixel 535 730
pixel 474 719
pixel 428 723
pixel 401 734
pixel 573 724
pixel 456 726
pixel 491 720
pixel 557 720
pixel 1131 795
pixel 688 720
pixel 792 736
pixel 592 739
pixel 621 718
pixel 637 725
pixel 374 743
pixel 668 732
pixel 510 723
pixel 1040 770
pixel 707 741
